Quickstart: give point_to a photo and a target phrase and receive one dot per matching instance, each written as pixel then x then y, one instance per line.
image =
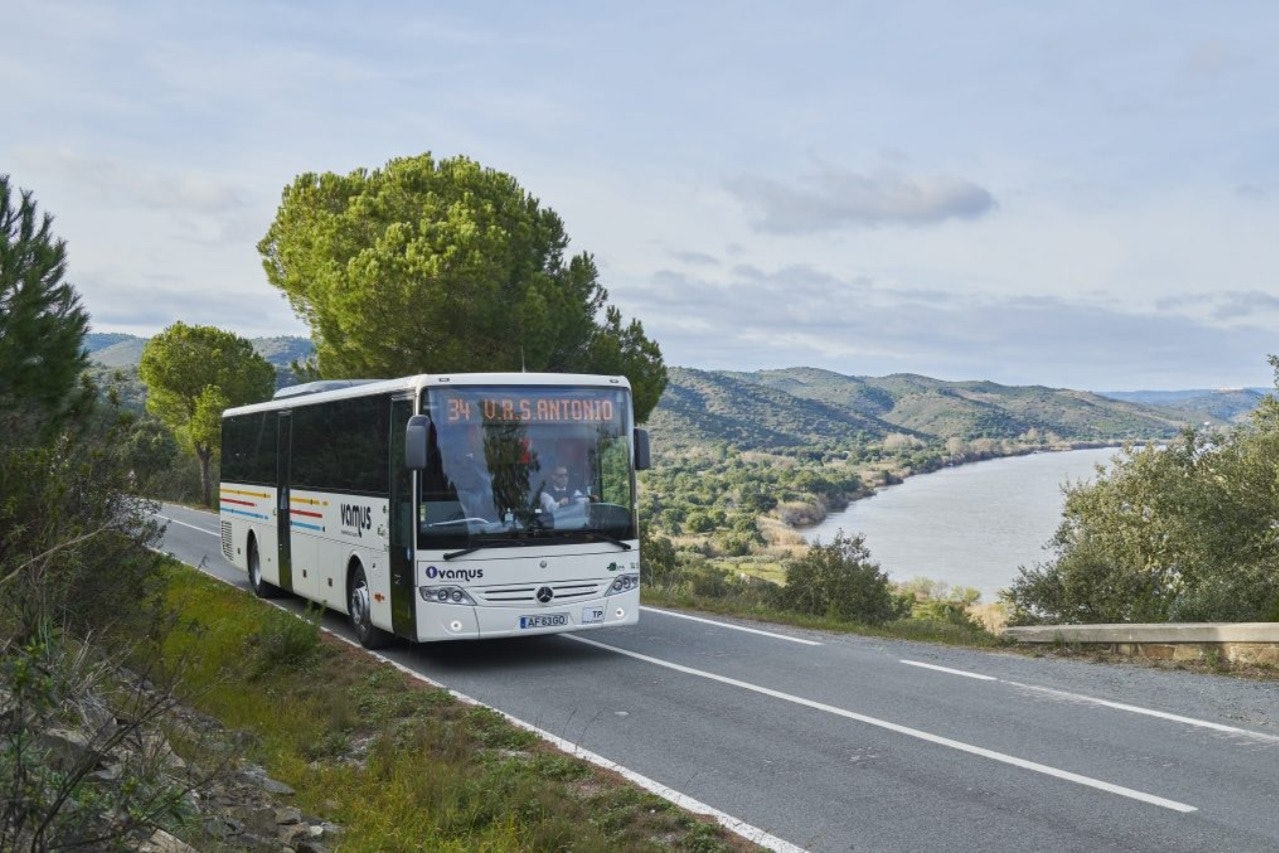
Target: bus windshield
pixel 511 465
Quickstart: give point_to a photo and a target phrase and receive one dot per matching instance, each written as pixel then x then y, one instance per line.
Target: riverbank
pixel 878 478
pixel 967 526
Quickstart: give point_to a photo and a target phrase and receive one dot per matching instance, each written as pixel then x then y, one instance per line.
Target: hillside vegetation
pixel 807 407
pixel 745 458
pixel 802 407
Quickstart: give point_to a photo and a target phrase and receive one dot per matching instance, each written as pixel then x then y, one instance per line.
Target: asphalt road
pixel 831 742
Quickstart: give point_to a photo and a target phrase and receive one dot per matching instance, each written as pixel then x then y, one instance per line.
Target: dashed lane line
pixel 1055 772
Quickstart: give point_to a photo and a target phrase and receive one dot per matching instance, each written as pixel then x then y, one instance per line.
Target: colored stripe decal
pixel 256 515
pixel 246 493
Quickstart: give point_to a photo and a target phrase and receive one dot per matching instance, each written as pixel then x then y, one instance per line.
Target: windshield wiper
pixel 600 537
pixel 481 544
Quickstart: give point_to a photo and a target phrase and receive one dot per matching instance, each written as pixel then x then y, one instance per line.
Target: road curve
pixel 837 742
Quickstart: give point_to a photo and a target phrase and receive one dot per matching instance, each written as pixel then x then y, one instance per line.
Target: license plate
pixel 544 620
pixel 591 615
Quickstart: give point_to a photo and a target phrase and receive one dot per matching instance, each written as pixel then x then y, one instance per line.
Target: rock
pixel 162 842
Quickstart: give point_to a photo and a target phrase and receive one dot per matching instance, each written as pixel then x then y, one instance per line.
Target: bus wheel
pixel 260 588
pixel 360 609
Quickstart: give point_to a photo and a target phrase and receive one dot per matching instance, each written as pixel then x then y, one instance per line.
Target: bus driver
pixel 556 493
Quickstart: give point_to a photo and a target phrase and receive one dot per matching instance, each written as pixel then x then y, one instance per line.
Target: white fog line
pixel 1148 712
pixel 947 669
pixel 732 824
pixel 731 626
pixel 1054 772
pixel 738 827
pixel 213 533
pixel 1106 703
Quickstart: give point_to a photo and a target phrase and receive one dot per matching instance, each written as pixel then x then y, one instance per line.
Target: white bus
pixel 441 507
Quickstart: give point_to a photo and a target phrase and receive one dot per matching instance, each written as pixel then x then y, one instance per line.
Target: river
pixel 972 525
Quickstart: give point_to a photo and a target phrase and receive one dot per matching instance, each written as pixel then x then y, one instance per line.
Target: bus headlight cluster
pixel 624 583
pixel 446 595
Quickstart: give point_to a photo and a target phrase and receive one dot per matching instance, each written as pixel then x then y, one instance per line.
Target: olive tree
pixel 431 266
pixel 192 374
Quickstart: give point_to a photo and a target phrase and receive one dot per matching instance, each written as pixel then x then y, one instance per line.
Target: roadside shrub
pixel 1183 532
pixel 286 640
pixel 658 558
pixel 73 540
pixel 81 766
pixel 839 581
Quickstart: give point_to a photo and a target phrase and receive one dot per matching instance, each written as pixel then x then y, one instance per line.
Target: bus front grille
pixel 524 593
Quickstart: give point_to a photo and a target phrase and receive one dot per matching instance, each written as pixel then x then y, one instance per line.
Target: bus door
pixel 283 517
pixel 403 524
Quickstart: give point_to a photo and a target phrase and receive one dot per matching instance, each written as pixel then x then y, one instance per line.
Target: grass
pixel 399 764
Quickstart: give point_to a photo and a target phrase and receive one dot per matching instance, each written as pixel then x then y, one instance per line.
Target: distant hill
pixel 125 351
pixel 95 341
pixel 1227 404
pixel 114 362
pixel 803 406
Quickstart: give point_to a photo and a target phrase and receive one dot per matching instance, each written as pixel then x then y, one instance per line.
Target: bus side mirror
pixel 415 441
pixel 641 449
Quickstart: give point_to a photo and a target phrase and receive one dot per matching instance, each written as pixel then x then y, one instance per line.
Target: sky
pixel 1079 195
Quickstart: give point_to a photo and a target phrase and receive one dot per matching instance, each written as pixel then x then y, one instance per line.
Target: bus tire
pixel 260 587
pixel 359 607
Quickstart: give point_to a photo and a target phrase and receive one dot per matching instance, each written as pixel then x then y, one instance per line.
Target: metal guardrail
pixel 1186 632
pixel 1240 642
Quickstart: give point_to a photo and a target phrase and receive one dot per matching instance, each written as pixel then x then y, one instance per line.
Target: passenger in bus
pixel 472 481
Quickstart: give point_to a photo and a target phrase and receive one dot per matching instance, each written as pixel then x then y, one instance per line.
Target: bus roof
pixel 337 389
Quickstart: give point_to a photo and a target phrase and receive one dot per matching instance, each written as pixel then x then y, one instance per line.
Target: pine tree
pixel 42 324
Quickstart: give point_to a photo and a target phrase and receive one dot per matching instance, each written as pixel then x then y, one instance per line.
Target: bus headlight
pixel 445 595
pixel 624 583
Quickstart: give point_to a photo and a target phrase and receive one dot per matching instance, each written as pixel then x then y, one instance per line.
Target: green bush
pixel 1184 532
pixel 286 640
pixel 73 540
pixel 839 581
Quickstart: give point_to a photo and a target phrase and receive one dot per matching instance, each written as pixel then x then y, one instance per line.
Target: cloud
pixel 1229 307
pixel 109 181
pixel 156 302
pixel 857 326
pixel 699 259
pixel 836 198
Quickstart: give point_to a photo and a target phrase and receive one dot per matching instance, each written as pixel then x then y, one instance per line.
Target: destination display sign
pixel 533 408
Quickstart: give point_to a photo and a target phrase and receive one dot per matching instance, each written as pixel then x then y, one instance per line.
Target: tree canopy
pixel 192 373
pixel 433 266
pixel 42 324
pixel 1185 532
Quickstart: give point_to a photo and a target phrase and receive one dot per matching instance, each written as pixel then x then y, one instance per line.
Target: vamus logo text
pixel 454 574
pixel 358 517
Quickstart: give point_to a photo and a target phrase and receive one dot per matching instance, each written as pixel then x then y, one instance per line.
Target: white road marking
pixel 1106 703
pixel 731 626
pixel 949 670
pixel 1149 712
pixel 738 827
pixel 185 524
pixel 1036 767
